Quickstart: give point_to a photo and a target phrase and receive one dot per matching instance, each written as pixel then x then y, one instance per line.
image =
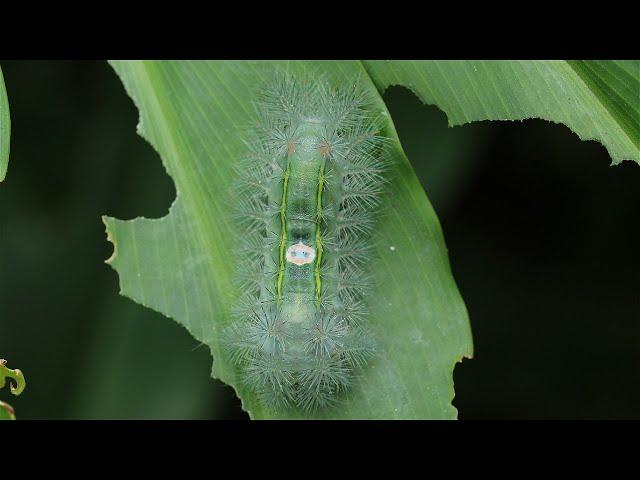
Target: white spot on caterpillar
pixel 392 248
pixel 300 254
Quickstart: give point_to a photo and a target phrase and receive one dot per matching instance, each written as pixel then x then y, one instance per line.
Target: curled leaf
pixel 18 384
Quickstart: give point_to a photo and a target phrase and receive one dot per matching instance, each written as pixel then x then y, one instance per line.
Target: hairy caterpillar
pixel 307 192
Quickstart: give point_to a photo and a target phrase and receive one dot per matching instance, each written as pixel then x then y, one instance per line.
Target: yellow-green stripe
pixel 283 231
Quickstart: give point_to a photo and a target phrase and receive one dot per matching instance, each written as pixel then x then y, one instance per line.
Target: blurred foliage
pixel 541 233
pixel 17 384
pixel 5 129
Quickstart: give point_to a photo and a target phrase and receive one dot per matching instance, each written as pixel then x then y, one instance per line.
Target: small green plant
pixel 16 387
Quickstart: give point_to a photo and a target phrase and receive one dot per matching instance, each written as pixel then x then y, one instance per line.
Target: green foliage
pixel 16 387
pixel 194 114
pixel 74 156
pixel 6 411
pixel 597 100
pixel 5 129
pixel 480 177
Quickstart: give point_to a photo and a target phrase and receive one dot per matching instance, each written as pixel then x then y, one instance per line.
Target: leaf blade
pixel 192 113
pixel 552 90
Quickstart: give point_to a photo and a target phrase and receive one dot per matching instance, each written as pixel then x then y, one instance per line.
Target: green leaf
pixel 6 412
pixel 598 100
pixel 5 129
pixel 195 114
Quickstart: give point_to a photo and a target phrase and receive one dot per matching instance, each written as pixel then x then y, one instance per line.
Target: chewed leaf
pixel 195 115
pixel 598 100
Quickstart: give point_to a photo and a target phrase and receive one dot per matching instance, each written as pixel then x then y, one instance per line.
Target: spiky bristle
pixel 297 344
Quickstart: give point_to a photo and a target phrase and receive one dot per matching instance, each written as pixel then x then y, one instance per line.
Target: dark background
pixel 542 236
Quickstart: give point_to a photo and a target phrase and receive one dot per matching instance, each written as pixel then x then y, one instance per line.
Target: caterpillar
pixel 307 195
